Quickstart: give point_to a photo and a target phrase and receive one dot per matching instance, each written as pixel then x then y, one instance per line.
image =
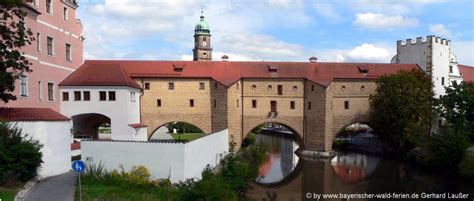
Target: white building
pixel 434 56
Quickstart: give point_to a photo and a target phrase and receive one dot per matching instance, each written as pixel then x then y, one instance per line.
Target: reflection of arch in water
pixel 354 167
pixel 162 129
pixel 295 133
pixel 288 179
pixel 87 124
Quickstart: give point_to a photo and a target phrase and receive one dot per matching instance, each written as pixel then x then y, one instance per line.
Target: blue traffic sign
pixel 78 166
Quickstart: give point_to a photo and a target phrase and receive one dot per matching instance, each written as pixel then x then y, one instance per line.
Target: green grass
pixel 187 136
pixel 7 194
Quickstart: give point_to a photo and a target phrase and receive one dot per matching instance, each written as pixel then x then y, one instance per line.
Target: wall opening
pixel 177 131
pixel 91 126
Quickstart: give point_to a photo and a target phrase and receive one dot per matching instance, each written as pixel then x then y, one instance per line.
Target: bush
pixel 138 176
pixel 466 167
pixel 19 156
pixel 447 150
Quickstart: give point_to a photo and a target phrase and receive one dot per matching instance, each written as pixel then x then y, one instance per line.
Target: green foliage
pixel 183 127
pixel 14 35
pixel 401 109
pixel 466 167
pixel 138 176
pixel 447 150
pixel 187 136
pixel 250 139
pixel 19 157
pixel 457 108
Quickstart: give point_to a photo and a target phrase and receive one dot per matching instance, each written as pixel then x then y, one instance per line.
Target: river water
pixel 285 176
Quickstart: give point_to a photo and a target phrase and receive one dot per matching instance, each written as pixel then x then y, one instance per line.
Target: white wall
pixel 175 161
pixel 122 112
pixel 56 139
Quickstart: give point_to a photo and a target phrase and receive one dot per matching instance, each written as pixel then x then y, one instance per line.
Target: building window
pixel 215 85
pixel 269 87
pixel 50 45
pixel 87 95
pixel 147 86
pixel 254 87
pixel 237 85
pixel 309 105
pixel 215 103
pixel 171 86
pixel 312 87
pixel 254 103
pixel 295 88
pixel 111 95
pixel 66 15
pixel 40 90
pixel 280 89
pixel 132 96
pixel 38 42
pixel 77 95
pixel 237 102
pixel 362 88
pixel 51 91
pixel 201 85
pixel 65 96
pixel 346 105
pixel 68 52
pixel 23 86
pixel 48 6
pixel 292 105
pixel 191 102
pixel 442 80
pixel 102 95
pixel 158 102
pixel 450 69
pixel 343 87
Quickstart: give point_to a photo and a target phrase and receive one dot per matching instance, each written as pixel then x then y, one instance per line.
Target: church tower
pixel 202 41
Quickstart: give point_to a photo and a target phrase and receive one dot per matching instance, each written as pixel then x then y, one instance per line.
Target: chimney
pixel 313 59
pixel 225 58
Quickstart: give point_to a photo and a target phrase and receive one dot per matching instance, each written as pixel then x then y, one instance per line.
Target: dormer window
pixel 178 68
pixel 272 69
pixel 363 70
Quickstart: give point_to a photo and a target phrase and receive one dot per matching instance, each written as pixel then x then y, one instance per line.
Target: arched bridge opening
pixel 177 130
pixel 91 126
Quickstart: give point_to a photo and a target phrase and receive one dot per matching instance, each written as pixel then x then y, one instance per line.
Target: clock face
pixel 204 43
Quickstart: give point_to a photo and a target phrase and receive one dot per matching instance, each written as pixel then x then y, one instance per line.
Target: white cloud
pixel 380 22
pixel 327 10
pixel 464 51
pixel 365 53
pixel 440 30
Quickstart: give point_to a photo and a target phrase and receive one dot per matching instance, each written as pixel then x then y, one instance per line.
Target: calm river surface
pixel 284 176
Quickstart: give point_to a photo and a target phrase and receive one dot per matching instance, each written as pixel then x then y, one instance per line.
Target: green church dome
pixel 202 27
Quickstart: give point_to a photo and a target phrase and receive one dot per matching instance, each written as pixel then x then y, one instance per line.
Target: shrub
pixel 466 167
pixel 447 150
pixel 19 156
pixel 138 176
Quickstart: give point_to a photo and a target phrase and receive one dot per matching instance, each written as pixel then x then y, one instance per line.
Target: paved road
pixel 57 188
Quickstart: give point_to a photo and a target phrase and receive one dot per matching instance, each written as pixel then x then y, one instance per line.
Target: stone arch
pixel 292 126
pixel 87 124
pixel 159 125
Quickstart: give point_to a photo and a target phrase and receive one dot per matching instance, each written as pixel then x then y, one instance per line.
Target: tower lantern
pixel 202 41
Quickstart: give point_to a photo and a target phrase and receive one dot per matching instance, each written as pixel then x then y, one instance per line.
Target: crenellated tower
pixel 202 41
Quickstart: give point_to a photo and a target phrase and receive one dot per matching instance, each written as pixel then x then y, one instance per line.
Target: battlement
pixel 421 40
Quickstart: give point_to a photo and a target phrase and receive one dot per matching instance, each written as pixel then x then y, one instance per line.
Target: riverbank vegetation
pixel 227 182
pixel 433 132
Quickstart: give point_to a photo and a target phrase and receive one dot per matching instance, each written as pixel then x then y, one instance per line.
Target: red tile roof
pixel 30 114
pixel 99 72
pixel 75 146
pixel 139 125
pixel 467 72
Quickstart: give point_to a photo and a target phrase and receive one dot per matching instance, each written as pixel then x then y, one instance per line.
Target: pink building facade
pixel 55 53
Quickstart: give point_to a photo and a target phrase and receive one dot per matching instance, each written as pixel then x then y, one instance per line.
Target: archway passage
pixel 280 143
pixel 357 136
pixel 91 126
pixel 177 130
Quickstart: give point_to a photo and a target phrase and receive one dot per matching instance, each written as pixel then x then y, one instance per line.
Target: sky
pixel 273 30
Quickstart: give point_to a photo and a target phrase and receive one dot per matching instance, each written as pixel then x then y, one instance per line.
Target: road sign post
pixel 78 167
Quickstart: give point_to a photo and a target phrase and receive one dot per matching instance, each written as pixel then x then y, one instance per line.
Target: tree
pixel 19 156
pixel 13 35
pixel 401 109
pixel 457 108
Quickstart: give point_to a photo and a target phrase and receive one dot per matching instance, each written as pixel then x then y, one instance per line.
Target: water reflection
pixel 285 177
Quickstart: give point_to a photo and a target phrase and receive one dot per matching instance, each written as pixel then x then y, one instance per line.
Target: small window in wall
pixel 40 90
pixel 201 85
pixel 346 105
pixel 237 85
pixel 292 105
pixel 111 95
pixel 38 42
pixel 254 86
pixel 48 7
pixel 23 86
pixel 147 86
pixel 312 87
pixel 254 103
pixel 237 102
pixel 102 95
pixel 132 96
pixel 215 85
pixel 87 95
pixel 65 96
pixel 191 102
pixel 280 89
pixel 215 103
pixel 295 88
pixel 450 69
pixel 362 88
pixel 442 80
pixel 66 14
pixel 50 45
pixel 50 91
pixel 77 95
pixel 171 86
pixel 68 52
pixel 158 102
pixel 309 105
